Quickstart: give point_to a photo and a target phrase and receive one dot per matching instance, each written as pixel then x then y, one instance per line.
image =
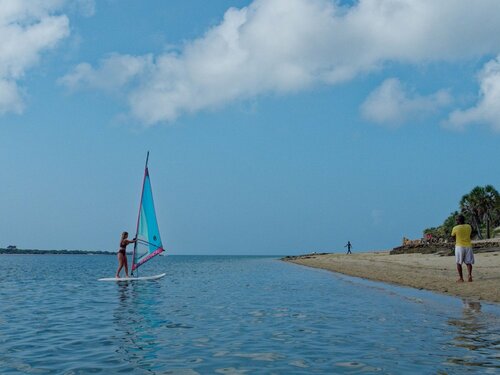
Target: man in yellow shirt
pixel 463 247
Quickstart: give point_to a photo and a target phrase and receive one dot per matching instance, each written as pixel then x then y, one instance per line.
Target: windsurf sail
pixel 148 243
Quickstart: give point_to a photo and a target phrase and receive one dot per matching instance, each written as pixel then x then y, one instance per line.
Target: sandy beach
pixel 423 271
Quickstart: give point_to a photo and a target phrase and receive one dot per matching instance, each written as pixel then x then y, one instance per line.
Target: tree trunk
pixel 478 227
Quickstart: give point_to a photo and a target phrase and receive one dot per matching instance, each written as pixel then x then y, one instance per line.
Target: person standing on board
pixel 348 245
pixel 122 254
pixel 463 247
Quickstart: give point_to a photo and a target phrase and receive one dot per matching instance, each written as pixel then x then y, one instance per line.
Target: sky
pixel 275 127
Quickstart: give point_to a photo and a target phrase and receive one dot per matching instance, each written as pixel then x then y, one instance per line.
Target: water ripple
pixel 230 315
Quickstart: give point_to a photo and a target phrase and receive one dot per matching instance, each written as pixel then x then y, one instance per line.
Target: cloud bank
pixel 27 28
pixel 285 46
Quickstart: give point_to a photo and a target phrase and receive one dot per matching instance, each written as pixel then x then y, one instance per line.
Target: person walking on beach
pixel 348 245
pixel 122 254
pixel 463 247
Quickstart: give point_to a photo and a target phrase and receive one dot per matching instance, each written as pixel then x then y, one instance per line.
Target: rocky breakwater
pixel 444 249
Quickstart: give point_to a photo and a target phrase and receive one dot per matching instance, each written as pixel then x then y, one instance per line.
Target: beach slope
pixel 423 271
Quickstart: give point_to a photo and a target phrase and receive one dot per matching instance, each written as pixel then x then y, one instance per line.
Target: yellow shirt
pixel 462 233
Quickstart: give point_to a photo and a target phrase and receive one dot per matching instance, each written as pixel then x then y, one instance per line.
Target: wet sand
pixel 422 271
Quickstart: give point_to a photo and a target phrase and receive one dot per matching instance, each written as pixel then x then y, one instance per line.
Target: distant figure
pixel 348 245
pixel 122 254
pixel 463 247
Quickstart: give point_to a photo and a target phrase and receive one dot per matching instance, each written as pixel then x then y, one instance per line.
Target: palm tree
pixel 490 204
pixel 469 206
pixel 481 206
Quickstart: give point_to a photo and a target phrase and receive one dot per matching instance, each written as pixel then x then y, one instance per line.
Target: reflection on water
pixel 136 322
pixel 473 332
pixel 231 315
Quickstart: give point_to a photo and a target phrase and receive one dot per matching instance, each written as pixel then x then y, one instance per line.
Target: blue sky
pixel 275 127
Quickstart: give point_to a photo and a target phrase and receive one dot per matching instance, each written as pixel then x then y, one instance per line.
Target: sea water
pixel 231 315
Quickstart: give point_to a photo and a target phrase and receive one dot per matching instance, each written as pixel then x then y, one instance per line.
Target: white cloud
pixel 10 100
pixel 487 109
pixel 281 46
pixel 390 104
pixel 27 28
pixel 114 72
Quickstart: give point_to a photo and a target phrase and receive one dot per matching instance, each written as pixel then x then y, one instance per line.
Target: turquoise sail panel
pixel 148 237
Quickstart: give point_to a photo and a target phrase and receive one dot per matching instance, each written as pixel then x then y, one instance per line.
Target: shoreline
pixel 433 272
pixel 53 252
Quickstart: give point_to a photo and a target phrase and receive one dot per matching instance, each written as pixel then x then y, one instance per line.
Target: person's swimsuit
pixel 122 248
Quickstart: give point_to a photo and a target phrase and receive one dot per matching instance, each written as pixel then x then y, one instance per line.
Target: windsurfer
pixel 122 254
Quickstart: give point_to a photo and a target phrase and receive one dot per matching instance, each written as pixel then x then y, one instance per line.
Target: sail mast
pixel 139 215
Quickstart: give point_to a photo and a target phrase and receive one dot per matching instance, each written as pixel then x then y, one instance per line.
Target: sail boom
pixel 148 257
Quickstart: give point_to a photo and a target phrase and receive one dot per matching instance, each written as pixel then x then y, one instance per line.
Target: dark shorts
pixel 121 251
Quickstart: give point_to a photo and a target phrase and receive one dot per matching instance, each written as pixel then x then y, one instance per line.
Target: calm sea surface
pixel 231 315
